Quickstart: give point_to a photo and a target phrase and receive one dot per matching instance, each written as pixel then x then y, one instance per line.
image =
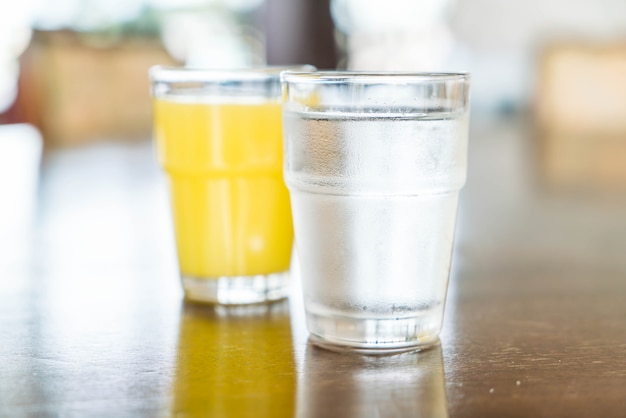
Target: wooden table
pixel 92 322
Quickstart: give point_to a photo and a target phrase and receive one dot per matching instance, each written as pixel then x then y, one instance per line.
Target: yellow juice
pixel 230 206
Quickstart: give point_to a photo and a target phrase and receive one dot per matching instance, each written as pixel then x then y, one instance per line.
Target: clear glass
pixel 218 137
pixel 374 163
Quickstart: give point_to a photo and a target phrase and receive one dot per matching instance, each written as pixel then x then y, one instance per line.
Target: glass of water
pixel 374 163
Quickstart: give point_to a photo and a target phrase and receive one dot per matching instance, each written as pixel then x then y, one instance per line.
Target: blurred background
pixel 547 146
pixel 57 56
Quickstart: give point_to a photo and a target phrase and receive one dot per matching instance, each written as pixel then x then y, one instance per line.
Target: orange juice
pixel 230 206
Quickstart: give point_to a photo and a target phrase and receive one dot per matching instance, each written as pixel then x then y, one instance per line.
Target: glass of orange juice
pixel 218 137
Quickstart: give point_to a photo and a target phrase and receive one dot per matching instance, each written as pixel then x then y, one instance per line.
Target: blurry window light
pixel 409 35
pixel 55 14
pixel 368 15
pixel 15 34
pixel 210 40
pixel 211 33
pixel 240 6
pixel 85 15
pixel 98 14
pixel 215 38
pixel 20 153
pixel 9 70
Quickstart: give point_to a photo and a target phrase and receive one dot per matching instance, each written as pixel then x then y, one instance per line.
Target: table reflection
pixel 410 384
pixel 235 361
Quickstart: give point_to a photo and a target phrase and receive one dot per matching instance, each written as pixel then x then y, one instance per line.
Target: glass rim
pixel 174 74
pixel 371 77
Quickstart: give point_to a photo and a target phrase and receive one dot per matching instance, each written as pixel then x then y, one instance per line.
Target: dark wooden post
pixel 299 32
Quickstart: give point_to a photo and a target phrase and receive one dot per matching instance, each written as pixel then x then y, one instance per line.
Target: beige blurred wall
pixel 502 41
pixel 76 91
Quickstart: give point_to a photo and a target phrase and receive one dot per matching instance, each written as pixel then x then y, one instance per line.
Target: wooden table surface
pixel 92 322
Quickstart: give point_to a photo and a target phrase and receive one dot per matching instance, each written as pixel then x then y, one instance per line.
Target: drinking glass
pixel 218 137
pixel 374 163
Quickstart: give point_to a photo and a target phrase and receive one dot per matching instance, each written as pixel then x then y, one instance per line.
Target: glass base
pixel 373 336
pixel 237 290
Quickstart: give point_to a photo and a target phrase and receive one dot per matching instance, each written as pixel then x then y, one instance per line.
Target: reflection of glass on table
pixel 235 361
pixel 413 383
